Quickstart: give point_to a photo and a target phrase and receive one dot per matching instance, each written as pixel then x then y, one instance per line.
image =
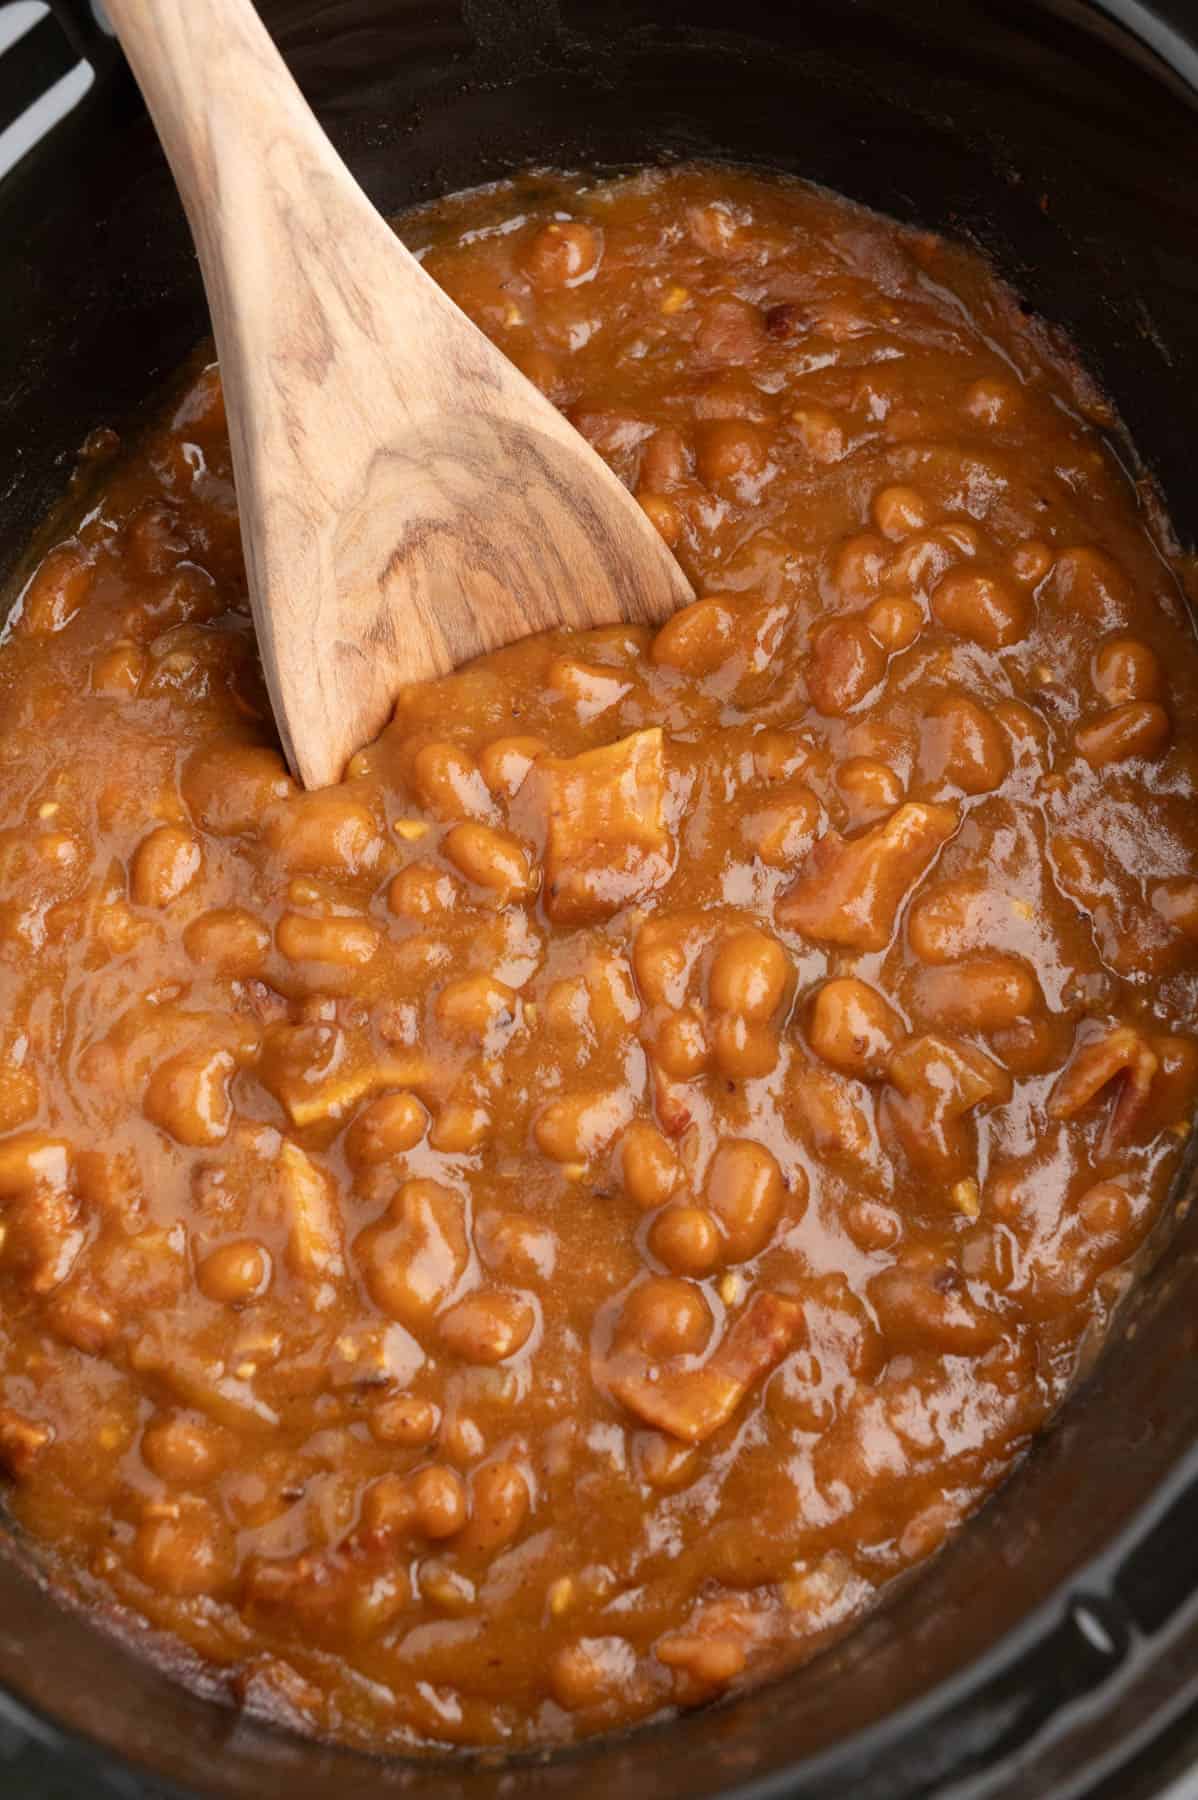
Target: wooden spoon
pixel 407 498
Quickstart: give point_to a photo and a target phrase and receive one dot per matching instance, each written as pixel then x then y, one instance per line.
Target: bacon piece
pixel 314 1244
pixel 692 1404
pixel 1120 1053
pixel 935 1082
pixel 849 890
pixel 607 843
pixel 335 1597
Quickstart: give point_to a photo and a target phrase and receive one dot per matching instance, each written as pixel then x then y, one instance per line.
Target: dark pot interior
pixel 1054 1647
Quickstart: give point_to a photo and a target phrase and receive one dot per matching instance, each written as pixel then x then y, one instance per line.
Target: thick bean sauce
pixel 545 1230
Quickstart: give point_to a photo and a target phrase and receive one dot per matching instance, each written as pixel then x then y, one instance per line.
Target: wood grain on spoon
pixel 407 498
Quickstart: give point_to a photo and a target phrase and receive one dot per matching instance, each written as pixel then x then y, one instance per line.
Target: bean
pixel 699 638
pixel 749 974
pixel 57 590
pixel 389 1126
pixel 923 559
pixel 1125 669
pixel 516 1246
pixel 744 1050
pixel 1140 728
pixel 663 515
pixel 1087 581
pixel 460 1129
pixel 345 943
pixel 229 787
pixel 578 1126
pixel 665 1317
pixel 33 1160
pixel 961 746
pixel 845 665
pixel 117 673
pixel 566 1009
pixel 475 1006
pixel 1106 1209
pixel 857 568
pixel 439 1494
pixel 895 621
pixel 719 228
pixel 1030 562
pixel 854 1028
pixel 871 789
pixel 325 830
pixel 686 1239
pixel 449 783
pixel 563 254
pixel 235 1274
pixel 784 830
pixel 388 1513
pixel 229 939
pixel 487 1326
pixel 709 1662
pixel 499 1505
pixel 648 1165
pixel 1027 733
pixel 665 461
pixel 947 920
pixel 662 954
pixel 505 761
pixel 588 1673
pixel 664 1462
pixel 898 511
pixel 681 1044
pixel 822 434
pixel 188 1096
pixel 493 859
pixel 873 1226
pixel 154 540
pixel 980 607
pixel 777 755
pixel 839 321
pixel 730 333
pixel 22 1441
pixel 404 1419
pixel 622 646
pixel 732 455
pixel 746 1194
pixel 422 892
pixel 183 1451
pixel 414 1257
pixel 983 994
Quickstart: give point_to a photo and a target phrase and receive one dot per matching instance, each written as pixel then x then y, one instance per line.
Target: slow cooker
pixel 1052 1649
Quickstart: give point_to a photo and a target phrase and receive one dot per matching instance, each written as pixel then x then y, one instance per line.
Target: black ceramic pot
pixel 1053 1649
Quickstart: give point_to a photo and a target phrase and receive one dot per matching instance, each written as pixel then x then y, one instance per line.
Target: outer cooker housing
pixel 1053 1649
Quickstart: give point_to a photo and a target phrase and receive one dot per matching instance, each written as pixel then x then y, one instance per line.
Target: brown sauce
pixel 544 1231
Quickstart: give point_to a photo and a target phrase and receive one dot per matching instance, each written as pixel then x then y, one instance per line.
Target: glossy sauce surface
pixel 544 1231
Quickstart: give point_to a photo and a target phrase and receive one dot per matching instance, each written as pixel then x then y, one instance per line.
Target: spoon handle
pixel 407 498
pixel 273 212
pixel 225 106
